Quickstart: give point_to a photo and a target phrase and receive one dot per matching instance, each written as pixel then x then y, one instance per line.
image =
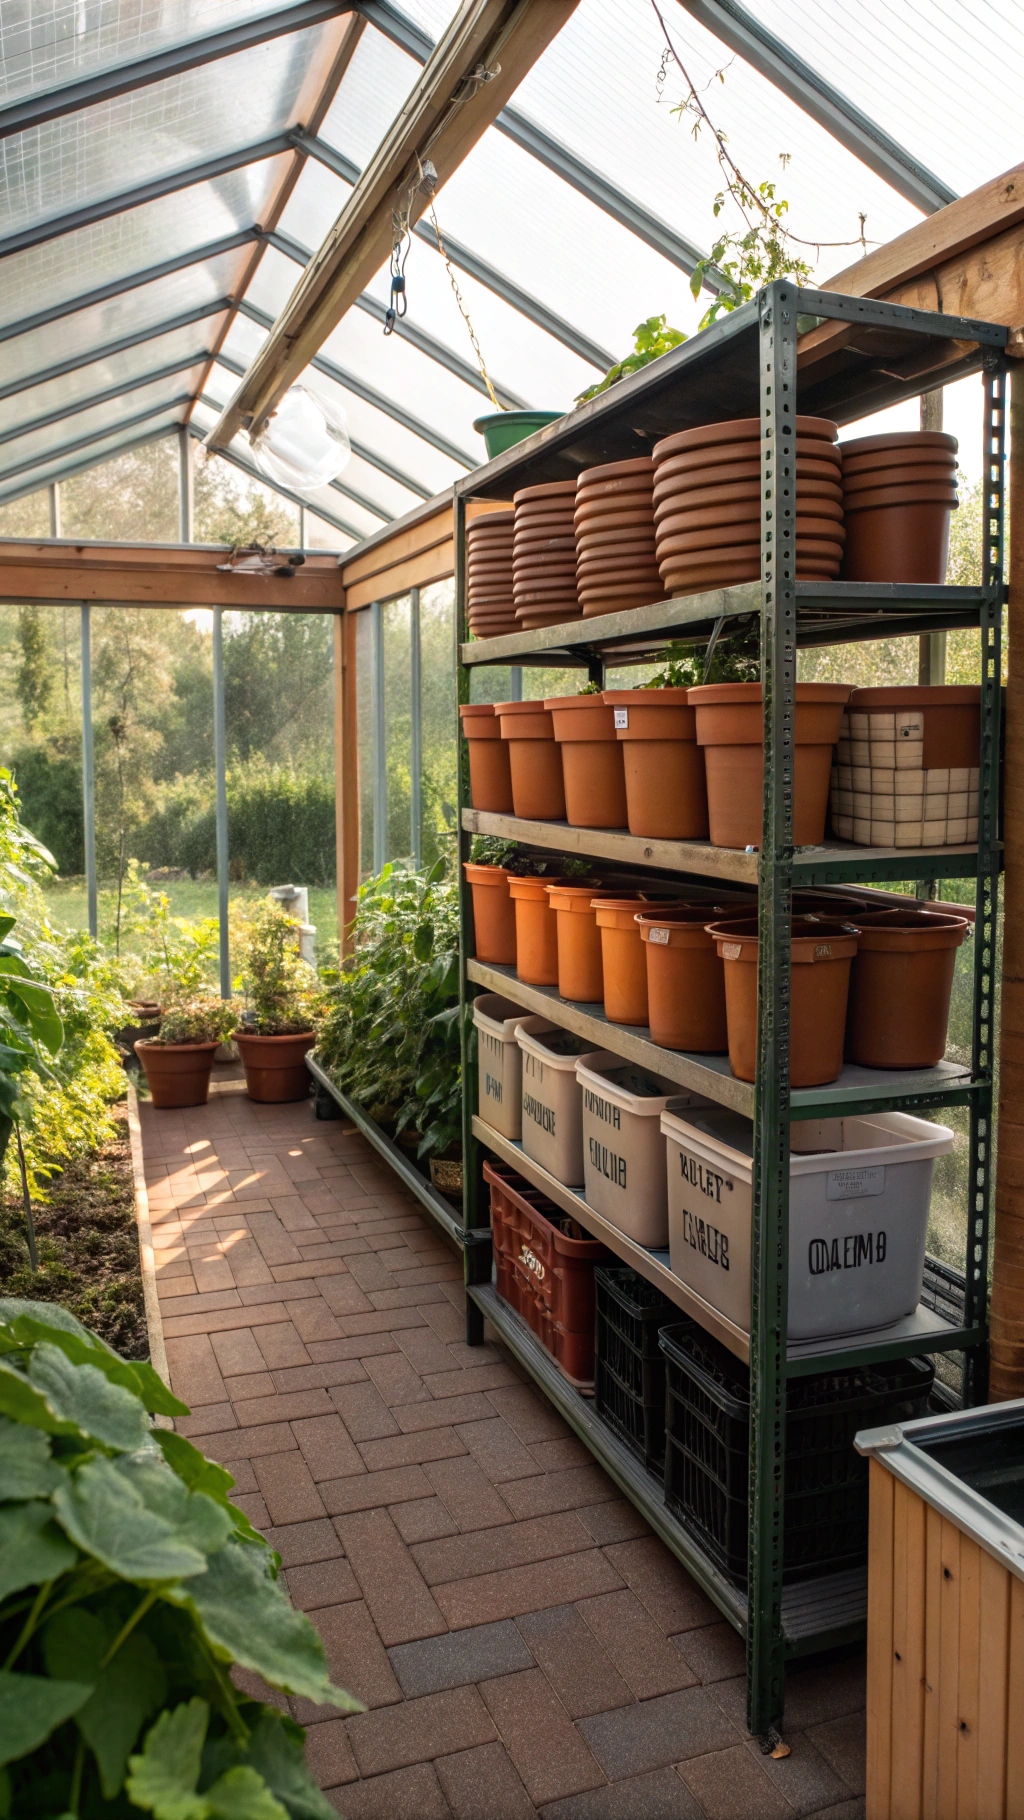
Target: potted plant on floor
pixel 281 991
pixel 178 1060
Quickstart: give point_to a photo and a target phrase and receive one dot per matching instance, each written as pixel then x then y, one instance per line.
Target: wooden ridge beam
pixel 475 67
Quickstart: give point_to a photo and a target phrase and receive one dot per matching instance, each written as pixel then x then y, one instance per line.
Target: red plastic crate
pixel 547 1277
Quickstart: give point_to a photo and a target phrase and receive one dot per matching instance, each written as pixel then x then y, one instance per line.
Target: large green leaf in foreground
pixel 105 1515
pixel 165 1775
pixel 31 1708
pixel 127 1688
pixel 85 1395
pixel 26 1467
pixel 32 1549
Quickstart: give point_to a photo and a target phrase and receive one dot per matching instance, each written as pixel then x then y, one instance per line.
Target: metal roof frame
pixel 111 429
pixel 367 393
pixel 565 164
pixel 122 78
pixel 133 281
pixel 70 469
pixel 840 117
pixel 468 262
pixel 74 409
pixel 183 321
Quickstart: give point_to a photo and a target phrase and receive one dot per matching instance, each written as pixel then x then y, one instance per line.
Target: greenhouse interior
pixel 511 910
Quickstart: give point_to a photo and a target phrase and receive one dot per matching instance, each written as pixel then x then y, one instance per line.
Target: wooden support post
pixel 346 774
pixel 1007 1333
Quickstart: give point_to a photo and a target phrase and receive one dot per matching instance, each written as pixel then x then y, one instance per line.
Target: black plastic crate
pixel 707 1417
pixel 629 1370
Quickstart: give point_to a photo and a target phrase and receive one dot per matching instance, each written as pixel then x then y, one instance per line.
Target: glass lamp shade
pixel 305 445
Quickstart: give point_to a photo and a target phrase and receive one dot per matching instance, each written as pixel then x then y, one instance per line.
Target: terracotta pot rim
pixel 856 471
pixel 484 710
pixel 897 439
pixel 593 506
pixel 652 698
pixel 738 512
pixel 622 519
pixel 507 710
pixel 617 565
pixel 150 1043
pixel 712 695
pixel 813 488
pixel 574 894
pixel 842 943
pixel 479 874
pixel 886 499
pixel 611 470
pixel 526 886
pixel 808 449
pixel 733 428
pixel 253 1036
pixel 545 489
pixel 878 938
pixel 917 695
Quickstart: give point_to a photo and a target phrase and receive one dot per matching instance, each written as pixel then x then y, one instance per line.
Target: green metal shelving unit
pixel 744 365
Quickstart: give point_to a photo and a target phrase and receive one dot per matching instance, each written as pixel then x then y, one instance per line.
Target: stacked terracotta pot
pixel 898 493
pixel 616 561
pixel 544 554
pixel 707 504
pixel 491 607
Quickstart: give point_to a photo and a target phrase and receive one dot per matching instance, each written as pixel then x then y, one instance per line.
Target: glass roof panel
pixel 314 205
pixel 103 323
pixel 73 264
pixel 39 443
pixel 118 370
pixel 376 83
pixel 168 126
pixel 105 446
pixel 923 71
pixel 44 43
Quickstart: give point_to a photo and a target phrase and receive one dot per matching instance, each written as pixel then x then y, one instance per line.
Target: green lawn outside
pixel 67 904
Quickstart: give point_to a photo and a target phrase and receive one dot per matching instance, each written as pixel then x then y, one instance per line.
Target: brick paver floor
pixel 522 1642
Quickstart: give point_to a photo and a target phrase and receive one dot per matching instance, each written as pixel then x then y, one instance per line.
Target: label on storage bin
pixel 607 1163
pixel 851 1252
pixel 621 717
pixel 532 1262
pixel 542 1115
pixel 493 1089
pixel 661 936
pixel 855 1184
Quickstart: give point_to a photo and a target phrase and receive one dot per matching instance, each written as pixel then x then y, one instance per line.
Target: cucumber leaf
pixel 130 1687
pixel 32 1548
pixel 82 1394
pixel 26 1467
pixel 31 1707
pixel 104 1513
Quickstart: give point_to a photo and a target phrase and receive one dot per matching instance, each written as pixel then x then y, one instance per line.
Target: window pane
pixel 365 727
pixel 397 622
pixel 438 718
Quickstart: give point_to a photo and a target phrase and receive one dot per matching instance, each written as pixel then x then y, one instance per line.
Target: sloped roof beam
pixel 468 262
pixel 540 145
pixel 86 358
pixel 769 55
pixel 123 78
pixel 87 300
pixel 111 429
pixel 360 389
pixel 74 409
pixel 250 468
pixel 370 456
pixel 166 185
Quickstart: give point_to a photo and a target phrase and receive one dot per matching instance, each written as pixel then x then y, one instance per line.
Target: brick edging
pixel 154 1321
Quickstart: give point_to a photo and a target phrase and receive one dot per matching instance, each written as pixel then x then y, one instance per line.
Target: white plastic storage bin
pixel 858 1215
pixel 553 1098
pixel 499 1063
pixel 623 1149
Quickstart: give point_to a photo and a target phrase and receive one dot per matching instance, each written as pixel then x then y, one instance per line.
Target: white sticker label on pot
pixel 855 1184
pixel 823 951
pixel 661 936
pixel 621 717
pixel 731 951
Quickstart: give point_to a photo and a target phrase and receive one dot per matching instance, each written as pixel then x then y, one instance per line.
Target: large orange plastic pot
pixel 730 727
pixel 666 796
pixel 900 988
pixel 580 968
pixel 275 1066
pixel 490 783
pixel 494 917
pixel 527 733
pixel 178 1074
pixel 685 983
pixel 592 769
pixel 821 955
pixel 900 539
pixel 950 713
pixel 623 967
pixel 536 931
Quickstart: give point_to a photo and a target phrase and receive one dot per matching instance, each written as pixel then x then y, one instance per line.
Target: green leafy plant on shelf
pixel 651 339
pixel 686 666
pixel 389 1034
pixel 494 850
pixel 203 1019
pixel 280 989
pixel 130 1585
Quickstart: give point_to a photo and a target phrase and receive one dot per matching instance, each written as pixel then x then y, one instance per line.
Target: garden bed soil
pixel 88 1246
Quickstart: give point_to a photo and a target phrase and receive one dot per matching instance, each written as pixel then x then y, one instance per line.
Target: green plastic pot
pixel 501 429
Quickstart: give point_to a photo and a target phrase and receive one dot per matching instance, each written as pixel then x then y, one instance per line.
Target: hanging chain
pixel 463 311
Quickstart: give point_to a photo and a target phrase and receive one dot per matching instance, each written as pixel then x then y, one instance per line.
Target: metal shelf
pixel 817 1614
pixel 856 1090
pixel 834 862
pixel 923 1331
pixel 827 613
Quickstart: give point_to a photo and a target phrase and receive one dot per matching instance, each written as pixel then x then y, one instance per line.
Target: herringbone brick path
pixel 522 1642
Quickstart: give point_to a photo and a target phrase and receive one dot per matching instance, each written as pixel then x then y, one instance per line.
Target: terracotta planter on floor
pixel 730 727
pixel 178 1073
pixel 494 916
pixel 490 781
pixel 666 795
pixel 900 988
pixel 821 957
pixel 580 968
pixel 275 1066
pixel 595 783
pixel 535 760
pixel 623 965
pixel 685 983
pixel 536 931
